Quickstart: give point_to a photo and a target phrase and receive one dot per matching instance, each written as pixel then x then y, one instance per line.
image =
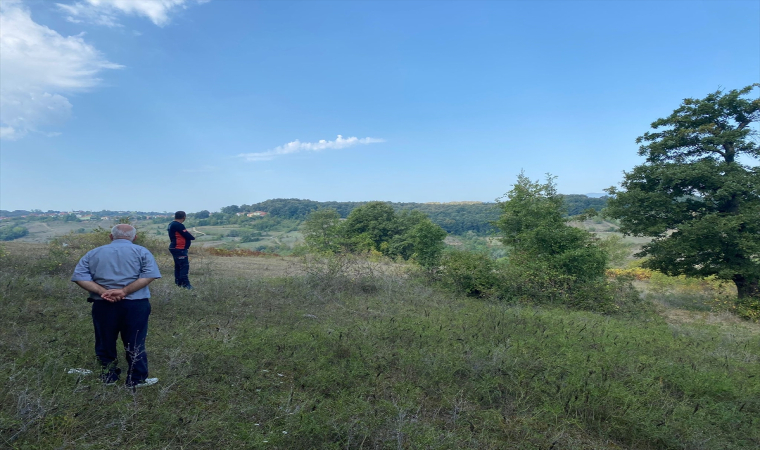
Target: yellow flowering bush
pixel 637 273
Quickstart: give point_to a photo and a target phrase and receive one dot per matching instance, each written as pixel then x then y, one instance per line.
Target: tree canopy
pixel 375 226
pixel 698 192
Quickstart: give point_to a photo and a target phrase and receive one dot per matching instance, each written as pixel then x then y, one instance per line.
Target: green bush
pixel 468 273
pixel 10 233
pixel 250 236
pixel 409 235
pixel 533 281
pixel 748 308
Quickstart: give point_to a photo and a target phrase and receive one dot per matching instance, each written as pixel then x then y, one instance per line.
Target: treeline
pixel 455 217
pixel 577 204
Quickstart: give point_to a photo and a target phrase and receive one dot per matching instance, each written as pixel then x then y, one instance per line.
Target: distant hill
pixel 454 217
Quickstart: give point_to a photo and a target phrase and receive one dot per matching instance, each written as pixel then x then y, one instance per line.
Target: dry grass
pixel 27 249
pixel 244 267
pixel 722 319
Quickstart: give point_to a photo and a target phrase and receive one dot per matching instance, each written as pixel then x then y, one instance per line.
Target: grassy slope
pixel 378 362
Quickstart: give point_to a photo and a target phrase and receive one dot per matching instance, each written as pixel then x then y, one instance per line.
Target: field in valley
pixel 272 241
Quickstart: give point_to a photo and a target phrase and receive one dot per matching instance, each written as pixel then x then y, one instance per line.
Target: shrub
pixel 216 251
pixel 472 274
pixel 636 273
pixel 10 233
pixel 410 235
pixel 534 281
pixel 748 308
pixel 250 236
pixel 337 274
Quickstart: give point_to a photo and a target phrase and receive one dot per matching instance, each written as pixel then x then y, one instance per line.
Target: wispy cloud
pixel 105 12
pixel 38 67
pixel 81 12
pixel 298 146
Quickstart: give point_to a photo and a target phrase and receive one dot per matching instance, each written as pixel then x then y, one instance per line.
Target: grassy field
pixel 277 353
pixel 272 241
pixel 43 232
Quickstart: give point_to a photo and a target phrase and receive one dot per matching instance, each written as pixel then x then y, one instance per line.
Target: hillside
pixel 454 217
pixel 298 354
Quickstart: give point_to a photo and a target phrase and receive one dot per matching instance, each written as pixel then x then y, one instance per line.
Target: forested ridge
pixel 454 217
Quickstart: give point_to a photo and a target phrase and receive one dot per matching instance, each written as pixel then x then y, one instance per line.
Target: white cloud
pixel 80 12
pixel 298 146
pixel 38 66
pixel 7 133
pixel 105 12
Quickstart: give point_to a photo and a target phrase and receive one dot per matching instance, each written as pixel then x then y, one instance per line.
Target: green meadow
pixel 354 353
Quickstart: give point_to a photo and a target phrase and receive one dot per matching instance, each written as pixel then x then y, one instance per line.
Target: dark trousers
pixel 128 318
pixel 181 267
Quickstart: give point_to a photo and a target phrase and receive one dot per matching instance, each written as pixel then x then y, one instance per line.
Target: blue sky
pixel 184 104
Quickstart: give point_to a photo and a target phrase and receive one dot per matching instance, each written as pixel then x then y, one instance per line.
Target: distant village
pixel 82 215
pixel 109 215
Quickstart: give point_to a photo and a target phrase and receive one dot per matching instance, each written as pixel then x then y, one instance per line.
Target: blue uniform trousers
pixel 128 318
pixel 181 268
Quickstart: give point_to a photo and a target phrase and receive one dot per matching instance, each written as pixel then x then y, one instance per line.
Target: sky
pixel 164 105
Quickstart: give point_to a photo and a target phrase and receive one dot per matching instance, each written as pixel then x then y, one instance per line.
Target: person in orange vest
pixel 180 243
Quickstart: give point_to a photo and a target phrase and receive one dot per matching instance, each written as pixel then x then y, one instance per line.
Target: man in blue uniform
pixel 117 276
pixel 180 243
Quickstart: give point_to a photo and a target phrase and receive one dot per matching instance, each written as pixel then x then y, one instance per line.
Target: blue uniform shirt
pixel 116 265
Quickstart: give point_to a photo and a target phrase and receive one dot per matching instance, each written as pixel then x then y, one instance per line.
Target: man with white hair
pixel 117 276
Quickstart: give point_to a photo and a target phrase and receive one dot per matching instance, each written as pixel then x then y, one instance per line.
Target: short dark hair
pixel 180 215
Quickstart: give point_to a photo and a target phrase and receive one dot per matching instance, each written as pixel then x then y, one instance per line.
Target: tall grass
pixel 351 354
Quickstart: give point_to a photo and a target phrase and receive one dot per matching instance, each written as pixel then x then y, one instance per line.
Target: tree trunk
pixel 747 288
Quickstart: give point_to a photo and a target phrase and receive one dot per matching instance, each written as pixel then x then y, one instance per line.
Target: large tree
pixel 698 192
pixel 373 224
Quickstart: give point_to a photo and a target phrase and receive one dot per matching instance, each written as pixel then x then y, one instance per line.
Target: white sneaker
pixel 147 382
